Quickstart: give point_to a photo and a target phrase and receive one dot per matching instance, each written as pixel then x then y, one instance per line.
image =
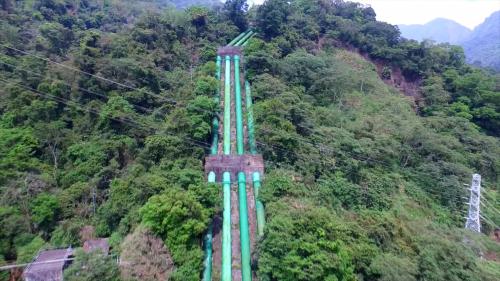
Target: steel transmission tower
pixel 473 222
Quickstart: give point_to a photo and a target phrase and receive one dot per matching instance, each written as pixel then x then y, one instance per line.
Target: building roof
pixel 94 244
pixel 48 265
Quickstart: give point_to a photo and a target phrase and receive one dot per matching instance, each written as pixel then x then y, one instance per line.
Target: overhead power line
pixel 124 121
pixel 69 85
pixel 11 266
pixel 90 74
pixel 319 146
pixel 489 221
pixel 488 206
pixel 315 145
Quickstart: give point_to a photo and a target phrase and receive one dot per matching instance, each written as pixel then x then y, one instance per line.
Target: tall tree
pixel 145 257
pixel 236 12
pixel 271 16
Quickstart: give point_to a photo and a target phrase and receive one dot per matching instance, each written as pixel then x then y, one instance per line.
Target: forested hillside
pixel 105 119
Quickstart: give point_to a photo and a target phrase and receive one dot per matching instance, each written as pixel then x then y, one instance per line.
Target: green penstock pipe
pixel 259 207
pixel 248 40
pixel 226 228
pixel 215 121
pixel 207 272
pixel 207 242
pixel 227 107
pixel 237 38
pixel 242 40
pixel 217 69
pixel 246 273
pixel 240 148
pixel 250 123
pixel 207 263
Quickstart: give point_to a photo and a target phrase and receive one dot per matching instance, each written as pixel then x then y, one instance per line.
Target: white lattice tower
pixel 473 222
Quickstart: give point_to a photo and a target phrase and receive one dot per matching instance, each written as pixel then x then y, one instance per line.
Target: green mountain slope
pixel 483 46
pixel 105 119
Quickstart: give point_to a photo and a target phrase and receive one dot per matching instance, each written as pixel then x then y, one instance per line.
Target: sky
pixel 469 13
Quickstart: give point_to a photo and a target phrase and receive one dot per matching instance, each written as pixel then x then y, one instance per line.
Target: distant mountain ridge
pixel 440 30
pixel 482 48
pixel 481 45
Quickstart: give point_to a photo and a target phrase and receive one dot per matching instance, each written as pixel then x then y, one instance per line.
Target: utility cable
pixel 128 120
pixel 90 74
pixel 129 87
pixel 74 104
pixel 487 205
pixel 321 146
pixel 131 122
pixel 69 85
pixel 490 222
pixel 10 266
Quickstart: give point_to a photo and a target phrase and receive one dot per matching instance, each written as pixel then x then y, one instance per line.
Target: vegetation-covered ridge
pixel 105 118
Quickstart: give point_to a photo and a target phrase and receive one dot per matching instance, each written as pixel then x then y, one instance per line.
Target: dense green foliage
pixel 92 266
pixel 362 183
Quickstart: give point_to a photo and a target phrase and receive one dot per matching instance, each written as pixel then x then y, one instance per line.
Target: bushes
pixel 45 211
pixel 92 266
pixel 17 146
pixel 180 218
pixel 299 245
pixel 144 257
pixel 351 167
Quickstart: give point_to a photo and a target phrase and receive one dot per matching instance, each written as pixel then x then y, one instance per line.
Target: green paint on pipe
pixel 248 40
pixel 226 228
pixel 217 67
pixel 215 122
pixel 207 242
pixel 211 177
pixel 215 136
pixel 242 40
pixel 250 123
pixel 227 107
pixel 246 272
pixel 240 147
pixel 259 207
pixel 237 38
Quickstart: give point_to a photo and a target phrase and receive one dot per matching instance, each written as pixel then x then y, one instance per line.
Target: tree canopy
pixel 368 137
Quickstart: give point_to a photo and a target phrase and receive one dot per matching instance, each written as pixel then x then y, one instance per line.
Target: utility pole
pixel 473 217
